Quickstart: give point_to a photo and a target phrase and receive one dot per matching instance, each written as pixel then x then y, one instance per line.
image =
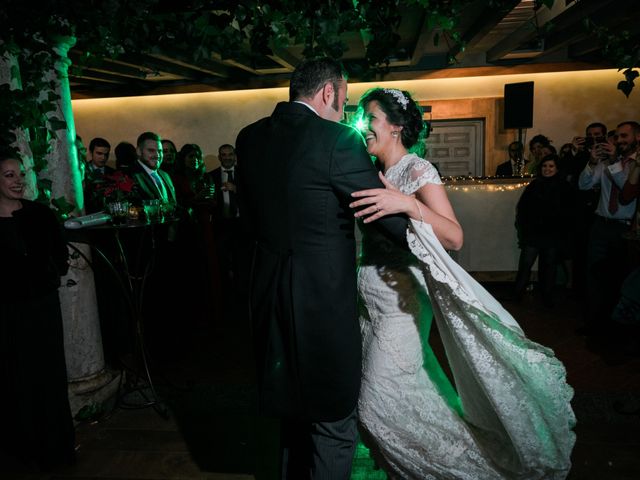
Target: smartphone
pixel 589 142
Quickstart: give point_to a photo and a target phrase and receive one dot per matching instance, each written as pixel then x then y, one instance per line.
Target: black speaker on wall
pixel 518 105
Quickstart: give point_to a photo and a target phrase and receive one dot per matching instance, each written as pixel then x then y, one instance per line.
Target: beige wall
pixel 564 103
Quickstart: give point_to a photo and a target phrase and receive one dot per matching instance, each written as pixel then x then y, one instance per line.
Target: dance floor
pixel 212 432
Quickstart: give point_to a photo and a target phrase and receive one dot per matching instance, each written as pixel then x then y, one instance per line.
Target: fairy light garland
pixel 485 184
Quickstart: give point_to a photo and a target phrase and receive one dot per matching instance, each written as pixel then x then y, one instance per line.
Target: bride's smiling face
pixel 378 130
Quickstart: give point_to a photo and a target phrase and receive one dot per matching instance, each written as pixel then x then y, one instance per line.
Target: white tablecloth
pixel 487 214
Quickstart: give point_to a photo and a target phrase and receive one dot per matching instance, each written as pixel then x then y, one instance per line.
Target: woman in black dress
pixel 543 221
pixel 37 426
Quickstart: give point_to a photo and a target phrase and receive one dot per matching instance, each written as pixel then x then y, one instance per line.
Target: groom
pixel 297 169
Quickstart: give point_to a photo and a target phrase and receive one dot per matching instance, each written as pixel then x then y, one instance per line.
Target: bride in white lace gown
pixel 508 415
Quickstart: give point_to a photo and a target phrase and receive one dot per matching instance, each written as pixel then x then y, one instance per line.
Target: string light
pixel 486 184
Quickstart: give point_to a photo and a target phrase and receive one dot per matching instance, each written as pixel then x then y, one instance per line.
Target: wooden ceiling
pixel 516 39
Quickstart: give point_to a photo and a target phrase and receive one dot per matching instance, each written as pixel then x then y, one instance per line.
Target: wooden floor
pixel 213 434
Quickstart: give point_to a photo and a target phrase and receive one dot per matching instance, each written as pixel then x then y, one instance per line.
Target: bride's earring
pixel 394 133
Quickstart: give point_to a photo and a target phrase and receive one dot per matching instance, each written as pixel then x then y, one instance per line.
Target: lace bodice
pixel 408 175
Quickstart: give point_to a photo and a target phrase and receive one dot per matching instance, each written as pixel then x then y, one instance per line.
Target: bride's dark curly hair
pixel 401 110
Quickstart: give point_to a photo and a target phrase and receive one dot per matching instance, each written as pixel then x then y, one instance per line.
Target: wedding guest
pixel 37 425
pixel 169 156
pixel 227 215
pixel 97 169
pixel 566 157
pixel 196 242
pixel 516 164
pixel 586 201
pixel 99 149
pixel 154 183
pixel 609 168
pixel 536 145
pixel 190 181
pixel 631 188
pixel 543 219
pixel 125 156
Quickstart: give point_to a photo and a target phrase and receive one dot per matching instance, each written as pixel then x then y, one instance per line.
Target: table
pixel 140 391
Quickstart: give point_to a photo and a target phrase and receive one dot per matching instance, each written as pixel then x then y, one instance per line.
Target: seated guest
pixel 515 164
pixel 99 150
pixel 153 183
pixel 97 168
pixel 37 426
pixel 169 155
pixel 125 156
pixel 543 219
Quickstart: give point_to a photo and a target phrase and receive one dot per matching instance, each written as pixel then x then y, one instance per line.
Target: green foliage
pixel 619 48
pixel 245 29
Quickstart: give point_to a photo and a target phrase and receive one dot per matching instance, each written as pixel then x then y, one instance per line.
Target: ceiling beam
pixel 568 28
pixel 422 43
pixel 284 58
pixel 203 65
pixel 228 61
pixel 486 21
pixel 90 74
pixel 529 29
pixel 158 65
pixel 106 65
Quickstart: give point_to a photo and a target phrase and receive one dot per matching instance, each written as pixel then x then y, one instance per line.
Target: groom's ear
pixel 327 93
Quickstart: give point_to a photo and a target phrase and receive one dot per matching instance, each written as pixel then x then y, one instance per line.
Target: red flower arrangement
pixel 117 186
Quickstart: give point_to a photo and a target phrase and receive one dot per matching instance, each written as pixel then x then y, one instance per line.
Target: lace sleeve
pixel 413 172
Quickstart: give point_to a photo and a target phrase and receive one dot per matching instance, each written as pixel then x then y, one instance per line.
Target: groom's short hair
pixel 311 75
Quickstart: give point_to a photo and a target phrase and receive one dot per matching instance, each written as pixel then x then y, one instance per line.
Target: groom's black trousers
pixel 318 451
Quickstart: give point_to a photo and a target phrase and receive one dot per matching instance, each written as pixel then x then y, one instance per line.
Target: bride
pixel 507 414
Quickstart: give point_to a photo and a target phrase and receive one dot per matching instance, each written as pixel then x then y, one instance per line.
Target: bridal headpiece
pixel 398 95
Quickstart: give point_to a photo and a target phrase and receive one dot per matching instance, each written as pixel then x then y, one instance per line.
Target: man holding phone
pixel 608 167
pixel 586 201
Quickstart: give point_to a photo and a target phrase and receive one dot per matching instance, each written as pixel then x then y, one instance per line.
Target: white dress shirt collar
pixel 307 105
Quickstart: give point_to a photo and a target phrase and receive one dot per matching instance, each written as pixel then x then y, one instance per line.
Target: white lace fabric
pixel 516 418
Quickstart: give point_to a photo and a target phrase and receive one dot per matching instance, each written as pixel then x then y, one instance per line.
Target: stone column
pixel 10 75
pixel 89 382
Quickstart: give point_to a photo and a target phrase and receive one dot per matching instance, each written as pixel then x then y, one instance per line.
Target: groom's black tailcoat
pixel 297 172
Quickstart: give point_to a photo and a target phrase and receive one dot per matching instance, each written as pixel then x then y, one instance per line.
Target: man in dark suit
pixel 96 169
pixel 297 170
pixel 515 162
pixel 226 216
pixel 99 149
pixel 153 183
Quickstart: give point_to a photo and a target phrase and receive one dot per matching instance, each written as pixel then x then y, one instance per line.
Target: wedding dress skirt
pixel 508 415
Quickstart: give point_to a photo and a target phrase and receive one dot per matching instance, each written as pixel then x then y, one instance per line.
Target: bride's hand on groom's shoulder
pixel 375 203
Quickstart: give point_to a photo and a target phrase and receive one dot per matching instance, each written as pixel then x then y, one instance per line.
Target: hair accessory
pixel 398 95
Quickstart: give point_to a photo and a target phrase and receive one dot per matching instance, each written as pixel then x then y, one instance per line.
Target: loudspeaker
pixel 518 105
